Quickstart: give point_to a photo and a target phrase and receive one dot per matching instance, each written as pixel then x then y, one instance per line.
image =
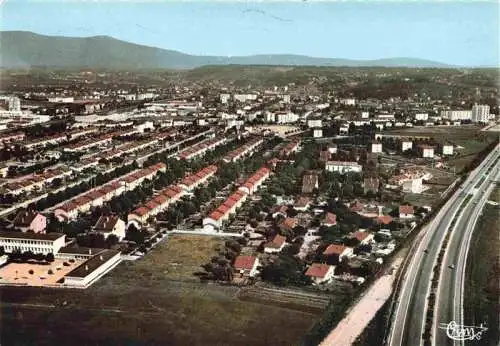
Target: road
pixel 408 321
pixel 449 296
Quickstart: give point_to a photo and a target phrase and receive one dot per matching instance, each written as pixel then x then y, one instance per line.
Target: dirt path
pixel 358 318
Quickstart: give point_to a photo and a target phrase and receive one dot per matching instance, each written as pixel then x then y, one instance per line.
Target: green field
pixel 481 303
pixel 146 302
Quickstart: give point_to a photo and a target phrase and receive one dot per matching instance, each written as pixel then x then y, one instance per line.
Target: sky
pixel 464 33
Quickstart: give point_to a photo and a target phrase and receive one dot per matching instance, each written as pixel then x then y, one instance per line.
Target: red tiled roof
pixel 384 219
pixel 141 211
pixel 330 219
pixel 317 270
pixel 277 242
pixel 334 249
pixel 406 209
pixel 151 205
pixel 360 235
pixel 216 215
pixel 244 262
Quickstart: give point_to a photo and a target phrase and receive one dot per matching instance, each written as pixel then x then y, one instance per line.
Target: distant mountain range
pixel 22 49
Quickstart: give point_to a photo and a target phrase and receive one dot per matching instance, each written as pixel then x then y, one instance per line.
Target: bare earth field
pixel 146 302
pixel 18 273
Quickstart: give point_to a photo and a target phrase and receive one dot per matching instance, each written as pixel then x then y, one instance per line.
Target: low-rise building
pixel 329 220
pixel 107 225
pixel 30 220
pixel 406 145
pixel 426 151
pixel 275 245
pixel 320 273
pixel 364 238
pixel 406 212
pixel 246 266
pixel 343 167
pixel 376 147
pixel 91 270
pixel 35 242
pixel 338 251
pixel 447 149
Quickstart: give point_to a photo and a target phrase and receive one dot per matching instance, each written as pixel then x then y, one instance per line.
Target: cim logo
pixel 461 333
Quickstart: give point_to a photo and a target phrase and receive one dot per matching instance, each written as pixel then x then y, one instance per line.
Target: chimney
pixel 87 268
pixel 90 251
pixel 101 258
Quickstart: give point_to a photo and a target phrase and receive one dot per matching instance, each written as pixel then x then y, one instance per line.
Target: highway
pixel 408 321
pixel 449 296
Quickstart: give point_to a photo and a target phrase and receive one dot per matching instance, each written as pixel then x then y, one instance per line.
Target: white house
pixel 317 133
pixel 422 116
pixel 427 151
pixel 320 273
pixel 246 265
pixel 405 145
pixel 413 185
pixel 363 237
pixel 447 149
pixel 406 212
pixel 340 251
pixel 314 122
pixel 275 245
pixel 376 147
pixel 107 225
pixel 332 148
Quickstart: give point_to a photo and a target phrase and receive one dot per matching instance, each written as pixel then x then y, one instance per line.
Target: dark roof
pixel 106 223
pixel 31 236
pixel 80 250
pixel 87 267
pixel 24 218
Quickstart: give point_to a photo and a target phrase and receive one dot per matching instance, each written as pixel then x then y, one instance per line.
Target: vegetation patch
pixel 481 303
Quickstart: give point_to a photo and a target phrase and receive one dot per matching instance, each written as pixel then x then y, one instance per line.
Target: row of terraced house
pixel 170 196
pixel 216 219
pixel 82 204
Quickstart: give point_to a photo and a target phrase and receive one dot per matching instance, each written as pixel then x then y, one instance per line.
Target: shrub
pixel 50 272
pixel 31 271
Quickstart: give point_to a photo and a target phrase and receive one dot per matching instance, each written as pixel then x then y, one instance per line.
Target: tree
pixel 49 257
pixel 285 271
pixel 111 240
pixel 135 235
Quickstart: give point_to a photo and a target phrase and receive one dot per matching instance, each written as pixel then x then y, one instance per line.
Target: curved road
pixel 410 310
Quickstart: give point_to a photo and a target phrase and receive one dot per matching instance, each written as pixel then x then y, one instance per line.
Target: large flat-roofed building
pixel 480 113
pixel 34 242
pixel 455 115
pixel 343 167
pixel 92 269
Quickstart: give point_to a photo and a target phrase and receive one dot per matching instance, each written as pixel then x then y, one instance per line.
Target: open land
pixel 139 303
pixel 469 137
pixel 481 303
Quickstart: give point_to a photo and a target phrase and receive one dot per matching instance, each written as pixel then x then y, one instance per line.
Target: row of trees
pixel 68 193
pixel 18 256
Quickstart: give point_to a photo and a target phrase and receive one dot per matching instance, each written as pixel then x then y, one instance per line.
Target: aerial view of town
pixel 222 194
